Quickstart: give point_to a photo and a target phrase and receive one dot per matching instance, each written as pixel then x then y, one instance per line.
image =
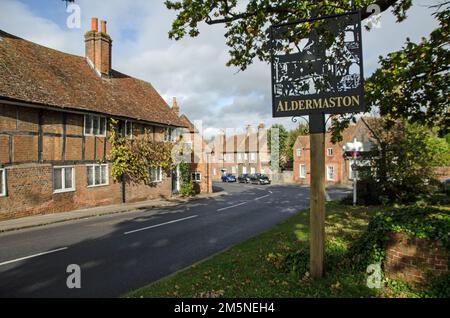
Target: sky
pixel 193 70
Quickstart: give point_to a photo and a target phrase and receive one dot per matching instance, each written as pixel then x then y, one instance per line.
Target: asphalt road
pixel 121 252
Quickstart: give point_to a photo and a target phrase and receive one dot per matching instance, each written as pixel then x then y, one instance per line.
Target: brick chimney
pixel 98 48
pixel 175 107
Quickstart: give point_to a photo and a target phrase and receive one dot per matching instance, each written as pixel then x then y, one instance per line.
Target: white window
pixel 302 171
pixel 252 170
pixel 156 174
pixel 214 171
pixel 245 156
pixel 253 156
pixel 233 169
pixel 63 179
pixel 169 134
pixel 244 169
pixel 330 152
pixel 97 175
pixel 94 125
pixel 128 129
pixel 299 152
pixel 330 173
pixel 196 176
pixel 239 156
pixel 2 182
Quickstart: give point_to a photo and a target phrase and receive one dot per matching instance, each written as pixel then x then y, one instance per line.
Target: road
pixel 121 252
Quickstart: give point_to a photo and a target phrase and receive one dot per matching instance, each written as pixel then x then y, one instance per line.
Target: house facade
pixel 241 153
pixel 54 114
pixel 338 169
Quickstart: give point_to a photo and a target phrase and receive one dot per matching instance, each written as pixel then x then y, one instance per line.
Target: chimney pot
pixel 94 24
pixel 103 22
pixel 175 106
pixel 98 48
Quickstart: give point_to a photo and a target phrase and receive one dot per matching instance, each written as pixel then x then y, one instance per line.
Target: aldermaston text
pixel 319 103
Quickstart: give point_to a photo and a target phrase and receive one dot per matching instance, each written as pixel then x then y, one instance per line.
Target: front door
pixel 176 180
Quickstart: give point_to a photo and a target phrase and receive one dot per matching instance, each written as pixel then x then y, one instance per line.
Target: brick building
pixel 54 109
pixel 337 169
pixel 241 153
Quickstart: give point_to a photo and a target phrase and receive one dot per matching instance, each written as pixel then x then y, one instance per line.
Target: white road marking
pixel 230 207
pixel 270 192
pixel 34 255
pixel 161 224
pixel 264 196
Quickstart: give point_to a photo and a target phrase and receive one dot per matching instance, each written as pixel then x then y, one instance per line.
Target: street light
pixel 353 150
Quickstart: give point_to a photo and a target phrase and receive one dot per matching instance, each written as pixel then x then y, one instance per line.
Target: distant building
pixel 338 170
pixel 241 153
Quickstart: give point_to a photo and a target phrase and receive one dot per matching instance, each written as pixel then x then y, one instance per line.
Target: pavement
pixel 120 252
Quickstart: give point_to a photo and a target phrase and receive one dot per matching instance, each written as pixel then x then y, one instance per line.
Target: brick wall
pixel 408 259
pixel 30 181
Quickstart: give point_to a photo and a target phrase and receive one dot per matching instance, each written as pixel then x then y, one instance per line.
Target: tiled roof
pixel 36 74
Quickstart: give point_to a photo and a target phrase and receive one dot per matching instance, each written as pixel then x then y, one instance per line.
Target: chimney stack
pixel 175 107
pixel 98 48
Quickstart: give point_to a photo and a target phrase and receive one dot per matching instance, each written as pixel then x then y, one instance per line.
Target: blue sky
pixel 193 70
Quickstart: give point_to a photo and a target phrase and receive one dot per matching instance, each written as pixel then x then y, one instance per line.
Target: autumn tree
pixel 411 83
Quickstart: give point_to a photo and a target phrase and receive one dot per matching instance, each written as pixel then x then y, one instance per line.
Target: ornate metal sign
pixel 317 66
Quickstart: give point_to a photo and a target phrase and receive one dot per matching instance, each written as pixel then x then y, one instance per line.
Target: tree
pixel 247 27
pixel 404 161
pixel 412 83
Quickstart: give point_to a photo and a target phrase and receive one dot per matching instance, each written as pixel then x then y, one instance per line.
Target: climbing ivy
pixel 132 159
pixel 187 185
pixel 421 222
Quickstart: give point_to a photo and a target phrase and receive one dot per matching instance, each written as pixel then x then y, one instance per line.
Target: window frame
pixel 63 179
pixel 194 176
pixel 93 165
pixel 300 174
pixel 3 182
pixel 330 153
pixel 253 156
pixel 160 174
pixel 299 152
pixel 93 118
pixel 169 135
pixel 328 174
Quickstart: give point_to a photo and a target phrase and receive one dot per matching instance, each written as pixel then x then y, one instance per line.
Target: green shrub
pixel 187 189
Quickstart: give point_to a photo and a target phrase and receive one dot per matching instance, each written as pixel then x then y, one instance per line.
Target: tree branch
pixel 383 4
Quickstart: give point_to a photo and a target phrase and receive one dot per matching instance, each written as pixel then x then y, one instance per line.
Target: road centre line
pixel 232 206
pixel 161 224
pixel 32 256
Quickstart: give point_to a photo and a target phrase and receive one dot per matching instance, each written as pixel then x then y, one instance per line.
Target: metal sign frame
pixel 344 98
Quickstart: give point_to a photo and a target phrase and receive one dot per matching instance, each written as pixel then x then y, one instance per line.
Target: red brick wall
pixel 409 259
pixel 30 183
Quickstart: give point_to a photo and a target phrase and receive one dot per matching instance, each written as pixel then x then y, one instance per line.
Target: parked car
pixel 228 178
pixel 259 178
pixel 244 178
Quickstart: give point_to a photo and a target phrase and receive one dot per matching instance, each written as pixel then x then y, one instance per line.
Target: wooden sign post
pixel 314 76
pixel 317 195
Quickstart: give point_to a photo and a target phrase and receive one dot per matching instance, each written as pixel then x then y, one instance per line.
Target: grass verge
pixel 274 264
